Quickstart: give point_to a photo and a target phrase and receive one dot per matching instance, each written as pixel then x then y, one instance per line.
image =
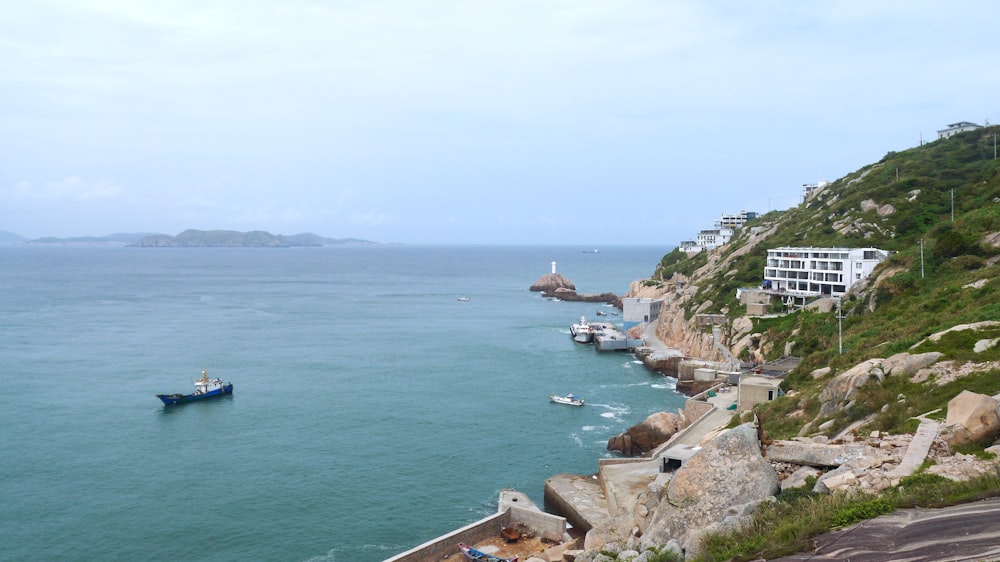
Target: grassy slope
pixel 902 309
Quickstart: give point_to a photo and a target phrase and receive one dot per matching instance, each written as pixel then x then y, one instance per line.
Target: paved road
pixel 960 533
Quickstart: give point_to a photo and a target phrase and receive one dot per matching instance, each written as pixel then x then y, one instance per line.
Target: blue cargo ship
pixel 204 388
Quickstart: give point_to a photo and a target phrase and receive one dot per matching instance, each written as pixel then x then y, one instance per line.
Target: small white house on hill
pixel 955 128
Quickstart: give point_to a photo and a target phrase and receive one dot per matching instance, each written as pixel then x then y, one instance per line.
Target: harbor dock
pixel 610 338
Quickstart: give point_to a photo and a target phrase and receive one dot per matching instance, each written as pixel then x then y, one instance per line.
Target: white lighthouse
pixel 553 268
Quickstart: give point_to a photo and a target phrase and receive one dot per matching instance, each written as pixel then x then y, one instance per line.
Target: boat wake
pixel 627 385
pixel 613 412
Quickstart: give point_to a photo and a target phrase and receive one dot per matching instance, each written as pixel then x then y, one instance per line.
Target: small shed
pixel 754 389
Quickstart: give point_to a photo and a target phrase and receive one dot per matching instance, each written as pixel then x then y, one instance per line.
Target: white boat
pixel 463 299
pixel 582 331
pixel 569 399
pixel 601 313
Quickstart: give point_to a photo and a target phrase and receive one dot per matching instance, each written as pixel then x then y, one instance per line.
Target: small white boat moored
pixel 582 331
pixel 569 399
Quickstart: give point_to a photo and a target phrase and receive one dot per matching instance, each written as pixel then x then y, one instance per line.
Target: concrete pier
pixel 611 339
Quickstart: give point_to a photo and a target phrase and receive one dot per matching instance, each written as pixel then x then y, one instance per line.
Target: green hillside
pixel 908 298
pixel 937 208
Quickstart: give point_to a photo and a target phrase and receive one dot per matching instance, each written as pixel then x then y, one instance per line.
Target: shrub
pixel 862 510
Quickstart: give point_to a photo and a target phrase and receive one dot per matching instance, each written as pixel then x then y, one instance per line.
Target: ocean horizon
pixel 372 409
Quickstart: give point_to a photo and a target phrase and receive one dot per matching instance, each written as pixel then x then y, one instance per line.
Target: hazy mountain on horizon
pixel 188 238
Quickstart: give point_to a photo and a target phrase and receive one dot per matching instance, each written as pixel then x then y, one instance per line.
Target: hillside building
pixel 755 390
pixel 735 221
pixel 819 271
pixel 725 229
pixel 955 128
pixel 690 247
pixel 640 311
pixel 713 238
pixel 809 188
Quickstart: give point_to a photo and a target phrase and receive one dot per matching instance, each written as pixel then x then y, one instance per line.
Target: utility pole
pixel 921 258
pixel 840 327
pixel 953 204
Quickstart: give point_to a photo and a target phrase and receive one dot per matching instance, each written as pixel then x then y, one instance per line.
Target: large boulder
pixel 840 390
pixel 972 417
pixel 646 435
pixel 715 483
pixel 823 454
pixel 907 364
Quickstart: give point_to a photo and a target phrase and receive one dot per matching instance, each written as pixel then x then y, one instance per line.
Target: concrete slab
pixel 624 481
pixel 580 499
pixel 917 450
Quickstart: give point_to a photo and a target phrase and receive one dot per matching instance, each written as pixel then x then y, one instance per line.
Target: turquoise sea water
pixel 372 410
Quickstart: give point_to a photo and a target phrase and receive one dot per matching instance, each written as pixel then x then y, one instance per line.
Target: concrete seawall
pixel 515 509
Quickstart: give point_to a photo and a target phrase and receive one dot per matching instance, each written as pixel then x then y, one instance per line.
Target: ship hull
pixel 174 399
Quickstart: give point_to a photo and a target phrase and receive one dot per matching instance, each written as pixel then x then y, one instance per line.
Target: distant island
pixel 193 239
pixel 234 239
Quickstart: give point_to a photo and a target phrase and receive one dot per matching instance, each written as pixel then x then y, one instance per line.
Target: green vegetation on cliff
pixel 894 204
pixel 937 209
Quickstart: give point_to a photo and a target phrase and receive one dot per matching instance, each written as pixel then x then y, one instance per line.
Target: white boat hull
pixel 568 400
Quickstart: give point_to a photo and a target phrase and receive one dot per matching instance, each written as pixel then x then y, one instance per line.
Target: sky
pixel 466 122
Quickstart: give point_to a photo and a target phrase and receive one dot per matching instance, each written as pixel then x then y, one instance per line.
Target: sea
pixel 372 411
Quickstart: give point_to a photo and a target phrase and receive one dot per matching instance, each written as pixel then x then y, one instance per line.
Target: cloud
pixel 73 188
pixel 371 218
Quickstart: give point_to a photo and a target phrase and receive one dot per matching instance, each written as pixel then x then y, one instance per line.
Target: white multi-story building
pixel 955 128
pixel 711 239
pixel 819 271
pixel 735 220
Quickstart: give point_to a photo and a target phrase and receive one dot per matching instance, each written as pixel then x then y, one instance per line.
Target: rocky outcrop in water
pixel 647 435
pixel 555 285
pixel 550 282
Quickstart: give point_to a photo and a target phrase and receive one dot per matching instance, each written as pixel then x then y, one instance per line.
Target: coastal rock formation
pixel 550 282
pixel 557 286
pixel 573 296
pixel 646 435
pixel 716 487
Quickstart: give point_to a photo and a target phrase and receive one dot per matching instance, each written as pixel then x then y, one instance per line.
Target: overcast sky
pixel 494 121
